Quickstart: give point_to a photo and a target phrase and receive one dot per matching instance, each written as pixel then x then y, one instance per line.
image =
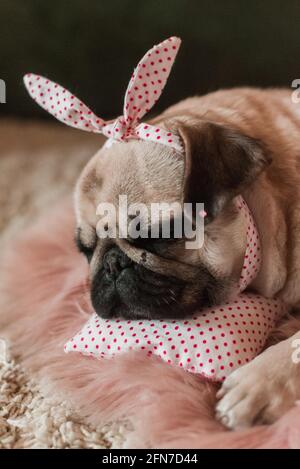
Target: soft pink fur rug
pixel 44 301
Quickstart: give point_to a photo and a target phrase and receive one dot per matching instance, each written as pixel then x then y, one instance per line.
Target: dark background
pixel 92 46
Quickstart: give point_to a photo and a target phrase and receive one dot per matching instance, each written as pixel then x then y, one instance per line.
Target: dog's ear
pixel 219 163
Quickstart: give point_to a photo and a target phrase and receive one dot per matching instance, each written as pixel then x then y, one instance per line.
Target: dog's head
pixel 159 277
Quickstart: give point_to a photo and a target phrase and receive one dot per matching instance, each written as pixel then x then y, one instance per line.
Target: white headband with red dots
pixel 144 89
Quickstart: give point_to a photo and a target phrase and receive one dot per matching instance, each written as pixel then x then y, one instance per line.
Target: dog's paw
pixel 259 392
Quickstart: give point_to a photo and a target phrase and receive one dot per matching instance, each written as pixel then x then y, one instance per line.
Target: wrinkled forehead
pixel 143 172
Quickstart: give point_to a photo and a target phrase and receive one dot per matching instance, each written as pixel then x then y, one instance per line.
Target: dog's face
pixel 159 277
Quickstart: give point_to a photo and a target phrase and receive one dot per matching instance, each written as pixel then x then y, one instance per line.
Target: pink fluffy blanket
pixel 44 300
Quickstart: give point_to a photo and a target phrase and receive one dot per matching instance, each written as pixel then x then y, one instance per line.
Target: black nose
pixel 114 261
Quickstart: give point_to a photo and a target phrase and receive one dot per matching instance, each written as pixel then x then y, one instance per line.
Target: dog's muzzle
pixel 124 288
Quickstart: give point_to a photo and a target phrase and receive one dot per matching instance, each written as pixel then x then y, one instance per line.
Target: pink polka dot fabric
pixel 144 89
pixel 252 257
pixel 212 343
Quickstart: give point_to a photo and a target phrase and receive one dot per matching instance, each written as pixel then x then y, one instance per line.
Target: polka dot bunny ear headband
pixel 144 89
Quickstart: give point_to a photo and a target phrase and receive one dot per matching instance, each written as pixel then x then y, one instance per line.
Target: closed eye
pixel 87 251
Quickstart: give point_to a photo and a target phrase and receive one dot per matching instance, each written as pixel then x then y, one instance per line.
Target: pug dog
pixel 236 142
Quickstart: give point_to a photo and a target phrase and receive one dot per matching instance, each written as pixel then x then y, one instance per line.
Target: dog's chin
pixel 125 311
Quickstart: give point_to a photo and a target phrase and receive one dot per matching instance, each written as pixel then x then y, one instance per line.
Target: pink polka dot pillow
pixel 212 343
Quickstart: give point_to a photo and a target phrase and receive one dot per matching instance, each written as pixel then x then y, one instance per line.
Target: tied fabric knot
pixel 144 89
